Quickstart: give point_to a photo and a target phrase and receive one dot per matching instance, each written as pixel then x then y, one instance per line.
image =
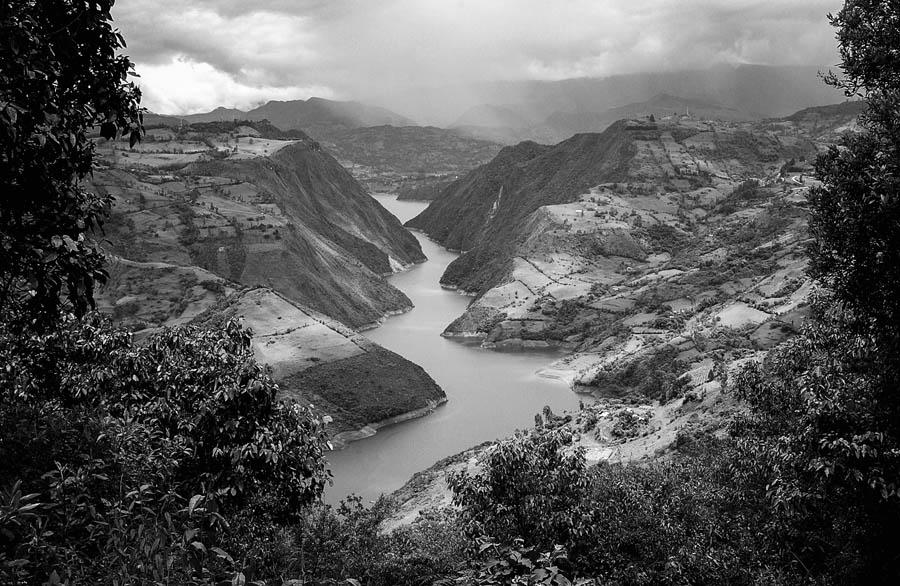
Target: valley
pixel 659 257
pixel 490 394
pixel 638 267
pixel 405 293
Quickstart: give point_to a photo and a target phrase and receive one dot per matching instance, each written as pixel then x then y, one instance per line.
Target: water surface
pixel 490 394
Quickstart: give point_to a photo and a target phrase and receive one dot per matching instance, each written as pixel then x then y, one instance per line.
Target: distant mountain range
pixel 308 115
pixel 550 111
pixel 382 147
pixel 746 92
pixel 504 125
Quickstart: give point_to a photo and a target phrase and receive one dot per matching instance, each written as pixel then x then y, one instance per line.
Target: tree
pixel 530 488
pixel 538 515
pixel 120 463
pixel 855 222
pixel 824 423
pixel 60 76
pixel 856 247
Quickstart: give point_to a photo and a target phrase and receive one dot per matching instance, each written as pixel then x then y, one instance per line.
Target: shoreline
pixel 342 439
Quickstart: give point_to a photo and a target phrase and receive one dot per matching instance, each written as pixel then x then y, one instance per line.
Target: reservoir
pixel 490 394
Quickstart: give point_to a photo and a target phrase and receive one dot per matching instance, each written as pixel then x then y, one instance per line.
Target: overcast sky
pixel 194 55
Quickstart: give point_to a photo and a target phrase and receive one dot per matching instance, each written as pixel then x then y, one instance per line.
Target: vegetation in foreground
pixel 171 462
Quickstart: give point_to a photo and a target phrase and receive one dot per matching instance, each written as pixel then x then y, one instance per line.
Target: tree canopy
pixel 61 76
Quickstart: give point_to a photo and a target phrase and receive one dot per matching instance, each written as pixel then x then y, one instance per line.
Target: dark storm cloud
pixel 196 54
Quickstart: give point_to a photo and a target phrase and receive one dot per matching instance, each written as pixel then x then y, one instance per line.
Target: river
pixel 490 394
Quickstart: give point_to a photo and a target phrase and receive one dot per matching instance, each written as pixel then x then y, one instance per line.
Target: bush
pixel 529 488
pixel 347 542
pixel 535 513
pixel 131 460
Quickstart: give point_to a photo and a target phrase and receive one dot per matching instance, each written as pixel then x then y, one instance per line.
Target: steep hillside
pixel 828 123
pixel 488 212
pixel 459 218
pixel 649 250
pixel 485 212
pixel 259 211
pixel 309 185
pixel 205 215
pixel 314 358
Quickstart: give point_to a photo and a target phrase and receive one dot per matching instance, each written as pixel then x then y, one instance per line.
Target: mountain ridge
pixel 301 114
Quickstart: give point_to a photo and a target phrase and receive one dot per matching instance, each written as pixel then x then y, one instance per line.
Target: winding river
pixel 490 394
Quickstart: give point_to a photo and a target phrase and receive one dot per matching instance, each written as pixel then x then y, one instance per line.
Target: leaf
pixel 193 503
pixel 108 130
pixel 222 553
pixel 134 138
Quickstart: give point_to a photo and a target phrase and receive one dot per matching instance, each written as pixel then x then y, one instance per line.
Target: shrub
pixel 136 457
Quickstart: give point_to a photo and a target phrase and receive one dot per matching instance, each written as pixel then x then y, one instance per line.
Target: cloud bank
pixel 194 55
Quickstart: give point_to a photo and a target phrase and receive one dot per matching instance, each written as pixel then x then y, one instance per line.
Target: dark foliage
pixel 138 457
pixel 538 516
pixel 60 77
pixel 825 418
